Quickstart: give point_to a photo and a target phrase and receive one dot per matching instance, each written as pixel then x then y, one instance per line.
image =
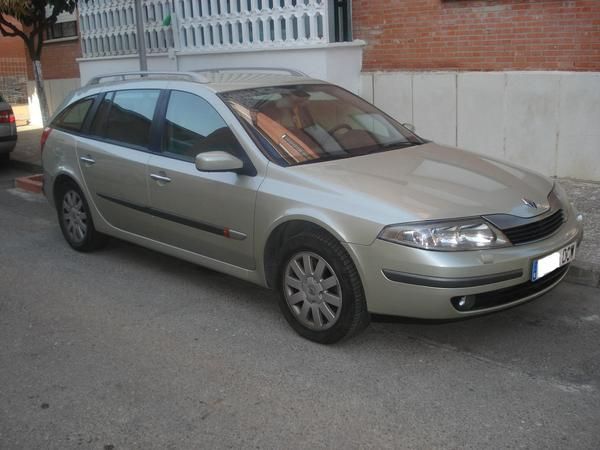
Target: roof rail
pixel 191 76
pixel 293 72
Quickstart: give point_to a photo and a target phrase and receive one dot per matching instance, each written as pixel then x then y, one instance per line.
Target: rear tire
pixel 321 295
pixel 75 219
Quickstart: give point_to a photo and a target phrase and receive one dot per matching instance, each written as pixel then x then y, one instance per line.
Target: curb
pixel 31 183
pixel 585 273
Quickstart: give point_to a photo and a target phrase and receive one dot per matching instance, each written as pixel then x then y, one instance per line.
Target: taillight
pixel 7 117
pixel 44 138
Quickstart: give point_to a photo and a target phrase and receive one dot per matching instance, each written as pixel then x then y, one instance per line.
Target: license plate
pixel 549 263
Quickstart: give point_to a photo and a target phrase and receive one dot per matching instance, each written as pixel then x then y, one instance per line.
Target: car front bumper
pixel 411 282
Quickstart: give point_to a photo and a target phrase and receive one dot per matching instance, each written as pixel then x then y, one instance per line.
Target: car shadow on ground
pixel 497 327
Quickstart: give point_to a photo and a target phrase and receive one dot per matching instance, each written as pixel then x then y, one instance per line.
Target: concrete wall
pixel 339 62
pixel 56 91
pixel 546 121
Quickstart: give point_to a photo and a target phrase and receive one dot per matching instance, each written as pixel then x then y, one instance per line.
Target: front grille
pixel 536 230
pixel 512 294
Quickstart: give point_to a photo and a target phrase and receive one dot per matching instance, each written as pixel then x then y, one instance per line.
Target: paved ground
pixel 28 145
pixel 586 198
pixel 21 114
pixel 127 348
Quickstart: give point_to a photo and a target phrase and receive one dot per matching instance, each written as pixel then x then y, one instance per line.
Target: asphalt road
pixel 127 348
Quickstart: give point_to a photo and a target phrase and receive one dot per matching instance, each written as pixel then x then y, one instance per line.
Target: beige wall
pixel 545 121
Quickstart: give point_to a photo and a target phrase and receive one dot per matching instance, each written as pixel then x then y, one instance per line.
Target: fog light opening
pixel 464 302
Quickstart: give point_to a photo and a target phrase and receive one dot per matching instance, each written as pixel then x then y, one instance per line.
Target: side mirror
pixel 409 126
pixel 218 161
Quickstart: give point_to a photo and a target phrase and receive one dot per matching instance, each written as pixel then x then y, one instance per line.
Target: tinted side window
pixel 193 126
pixel 73 116
pixel 130 117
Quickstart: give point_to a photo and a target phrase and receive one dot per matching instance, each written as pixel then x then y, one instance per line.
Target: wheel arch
pixel 282 231
pixel 61 179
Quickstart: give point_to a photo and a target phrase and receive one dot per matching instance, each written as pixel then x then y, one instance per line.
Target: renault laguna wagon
pixel 301 186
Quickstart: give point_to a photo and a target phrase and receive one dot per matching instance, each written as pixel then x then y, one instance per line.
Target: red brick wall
pixel 479 35
pixel 12 54
pixel 59 60
pixel 13 69
pixel 12 47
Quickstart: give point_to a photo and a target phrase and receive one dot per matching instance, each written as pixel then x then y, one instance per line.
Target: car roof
pixel 216 80
pixel 233 81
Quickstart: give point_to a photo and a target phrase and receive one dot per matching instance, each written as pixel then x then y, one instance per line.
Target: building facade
pixel 513 79
pixel 13 70
pixel 60 69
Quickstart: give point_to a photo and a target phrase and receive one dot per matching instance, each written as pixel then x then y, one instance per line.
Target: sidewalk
pixel 27 154
pixel 585 196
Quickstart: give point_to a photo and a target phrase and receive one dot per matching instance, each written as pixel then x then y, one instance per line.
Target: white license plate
pixel 549 263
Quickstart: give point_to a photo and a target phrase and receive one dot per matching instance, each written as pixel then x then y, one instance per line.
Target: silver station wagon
pixel 299 185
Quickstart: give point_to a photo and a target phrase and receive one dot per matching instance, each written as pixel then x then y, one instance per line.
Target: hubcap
pixel 74 216
pixel 312 291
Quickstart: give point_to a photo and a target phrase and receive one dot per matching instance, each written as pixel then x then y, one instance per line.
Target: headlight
pixel 467 234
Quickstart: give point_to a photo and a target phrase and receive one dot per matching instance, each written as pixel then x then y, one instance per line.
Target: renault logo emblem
pixel 529 203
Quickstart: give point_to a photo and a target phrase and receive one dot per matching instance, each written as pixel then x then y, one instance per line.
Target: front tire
pixel 76 220
pixel 321 295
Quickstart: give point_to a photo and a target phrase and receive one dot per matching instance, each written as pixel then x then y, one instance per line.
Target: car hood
pixel 429 181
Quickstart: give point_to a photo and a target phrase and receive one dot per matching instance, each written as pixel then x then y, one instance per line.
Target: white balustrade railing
pixel 108 28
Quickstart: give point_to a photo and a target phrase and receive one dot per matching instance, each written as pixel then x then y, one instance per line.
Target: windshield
pixel 316 122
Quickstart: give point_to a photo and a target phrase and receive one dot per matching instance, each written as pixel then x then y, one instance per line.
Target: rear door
pixel 113 157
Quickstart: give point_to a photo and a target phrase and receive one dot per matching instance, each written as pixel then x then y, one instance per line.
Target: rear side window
pixel 193 126
pixel 73 117
pixel 126 116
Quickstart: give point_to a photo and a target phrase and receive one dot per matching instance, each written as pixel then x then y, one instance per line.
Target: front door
pixel 208 213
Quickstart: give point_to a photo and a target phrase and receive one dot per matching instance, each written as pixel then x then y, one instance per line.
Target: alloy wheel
pixel 312 291
pixel 74 216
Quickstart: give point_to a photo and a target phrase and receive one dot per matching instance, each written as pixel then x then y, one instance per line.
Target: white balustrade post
pixel 214 8
pixel 278 37
pixel 175 9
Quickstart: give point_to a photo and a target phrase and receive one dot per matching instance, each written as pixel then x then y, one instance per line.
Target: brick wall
pixel 479 35
pixel 12 47
pixel 13 79
pixel 13 69
pixel 59 60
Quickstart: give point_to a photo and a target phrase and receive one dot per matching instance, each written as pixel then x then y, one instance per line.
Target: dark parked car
pixel 8 129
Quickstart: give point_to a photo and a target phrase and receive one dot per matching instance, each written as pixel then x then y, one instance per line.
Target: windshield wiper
pixel 394 145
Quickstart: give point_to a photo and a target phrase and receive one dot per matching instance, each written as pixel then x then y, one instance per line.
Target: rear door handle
pixel 88 160
pixel 160 178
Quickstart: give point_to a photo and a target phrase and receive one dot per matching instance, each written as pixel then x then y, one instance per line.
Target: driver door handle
pixel 160 178
pixel 88 160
